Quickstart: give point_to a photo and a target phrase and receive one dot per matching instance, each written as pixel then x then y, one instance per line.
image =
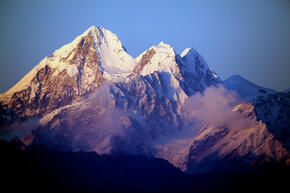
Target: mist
pixel 98 124
pixel 215 107
pixel 17 129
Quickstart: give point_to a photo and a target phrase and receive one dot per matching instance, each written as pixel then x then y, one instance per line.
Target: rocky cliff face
pixel 273 110
pixel 52 88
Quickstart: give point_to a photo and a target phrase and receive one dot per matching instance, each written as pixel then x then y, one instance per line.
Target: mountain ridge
pixel 37 167
pixel 245 87
pixel 79 68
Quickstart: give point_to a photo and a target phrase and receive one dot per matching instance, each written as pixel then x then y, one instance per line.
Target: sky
pixel 246 37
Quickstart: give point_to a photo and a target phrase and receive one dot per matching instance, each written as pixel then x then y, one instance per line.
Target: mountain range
pixel 37 168
pixel 91 95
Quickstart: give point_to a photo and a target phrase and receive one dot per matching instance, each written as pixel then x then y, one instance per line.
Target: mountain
pixel 188 70
pixel 91 95
pixel 70 73
pixel 148 103
pixel 244 87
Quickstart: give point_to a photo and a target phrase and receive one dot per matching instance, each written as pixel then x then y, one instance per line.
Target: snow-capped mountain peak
pixel 105 49
pixel 74 70
pixel 114 61
pixel 194 68
pixel 159 57
pixel 163 44
pixel 193 60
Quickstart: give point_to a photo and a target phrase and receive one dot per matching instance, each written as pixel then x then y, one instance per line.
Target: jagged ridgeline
pixel 91 95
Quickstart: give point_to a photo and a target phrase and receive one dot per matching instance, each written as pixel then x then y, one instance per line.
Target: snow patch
pixel 185 52
pixel 72 70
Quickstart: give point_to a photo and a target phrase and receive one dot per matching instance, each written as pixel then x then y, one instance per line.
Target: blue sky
pixel 246 37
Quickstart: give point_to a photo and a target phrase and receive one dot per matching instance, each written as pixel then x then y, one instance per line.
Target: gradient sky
pixel 246 37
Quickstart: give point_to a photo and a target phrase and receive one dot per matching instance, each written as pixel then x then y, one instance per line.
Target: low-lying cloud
pixel 97 124
pixel 215 108
pixel 17 129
